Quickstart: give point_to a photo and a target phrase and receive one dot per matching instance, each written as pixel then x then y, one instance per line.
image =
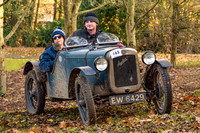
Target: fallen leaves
pixel 195 125
pixel 63 125
pixel 181 106
pixel 20 52
pixel 109 120
pixel 64 117
pixel 50 120
pixel 198 119
pixel 4 123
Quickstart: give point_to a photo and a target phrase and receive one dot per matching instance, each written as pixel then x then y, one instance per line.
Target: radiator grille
pixel 125 71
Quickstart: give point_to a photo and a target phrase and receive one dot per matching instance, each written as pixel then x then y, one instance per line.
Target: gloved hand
pixel 56 46
pixel 120 45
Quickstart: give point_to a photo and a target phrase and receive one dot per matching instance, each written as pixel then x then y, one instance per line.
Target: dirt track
pixel 184 82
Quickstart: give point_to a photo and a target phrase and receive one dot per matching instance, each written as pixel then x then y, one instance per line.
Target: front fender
pixel 88 71
pixel 34 65
pixel 148 76
pixel 163 63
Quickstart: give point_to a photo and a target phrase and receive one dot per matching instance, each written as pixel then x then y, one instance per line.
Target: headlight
pixel 148 57
pixel 100 63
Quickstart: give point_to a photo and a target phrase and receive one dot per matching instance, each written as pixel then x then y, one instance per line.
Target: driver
pixel 47 58
pixel 90 32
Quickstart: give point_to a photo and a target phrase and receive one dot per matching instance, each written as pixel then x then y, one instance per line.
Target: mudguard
pixel 34 65
pixel 148 79
pixel 163 63
pixel 88 71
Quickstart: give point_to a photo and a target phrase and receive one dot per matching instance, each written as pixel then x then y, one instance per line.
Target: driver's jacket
pixel 47 59
pixel 85 34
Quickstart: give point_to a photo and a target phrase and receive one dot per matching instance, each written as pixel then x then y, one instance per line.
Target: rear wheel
pixel 162 89
pixel 34 94
pixel 85 101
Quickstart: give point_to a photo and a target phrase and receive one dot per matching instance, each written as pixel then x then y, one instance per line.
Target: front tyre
pixel 85 101
pixel 34 94
pixel 162 89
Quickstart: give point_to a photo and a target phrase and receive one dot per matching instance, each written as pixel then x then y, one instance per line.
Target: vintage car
pixel 102 73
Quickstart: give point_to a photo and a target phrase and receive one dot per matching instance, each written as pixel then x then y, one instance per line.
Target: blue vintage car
pixel 96 74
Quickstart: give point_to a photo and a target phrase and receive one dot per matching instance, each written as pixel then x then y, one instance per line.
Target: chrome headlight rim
pixel 100 63
pixel 148 54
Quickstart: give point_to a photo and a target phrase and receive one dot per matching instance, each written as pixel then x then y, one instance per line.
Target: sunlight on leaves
pixel 50 120
pixel 63 125
pixel 109 120
pixel 198 119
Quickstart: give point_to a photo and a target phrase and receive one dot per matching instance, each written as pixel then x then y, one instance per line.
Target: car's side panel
pixel 57 81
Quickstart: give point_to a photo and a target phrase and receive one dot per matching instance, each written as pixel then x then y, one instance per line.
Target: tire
pixel 162 88
pixel 85 101
pixel 34 94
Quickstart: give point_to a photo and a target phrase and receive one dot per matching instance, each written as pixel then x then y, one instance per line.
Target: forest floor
pixel 140 117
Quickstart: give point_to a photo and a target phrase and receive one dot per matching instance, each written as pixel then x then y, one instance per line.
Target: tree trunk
pixel 37 14
pixel 175 31
pixel 60 9
pixel 71 8
pixel 2 65
pixel 1 4
pixel 130 28
pixel 55 10
pixel 32 14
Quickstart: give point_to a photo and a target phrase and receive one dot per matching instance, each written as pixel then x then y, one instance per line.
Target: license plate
pixel 127 98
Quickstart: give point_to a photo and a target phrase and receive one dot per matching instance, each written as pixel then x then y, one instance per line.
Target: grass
pixel 182 60
pixel 188 64
pixel 15 64
pixel 197 93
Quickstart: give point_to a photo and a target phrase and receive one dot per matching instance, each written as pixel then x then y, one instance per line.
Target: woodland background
pixel 171 28
pixel 153 31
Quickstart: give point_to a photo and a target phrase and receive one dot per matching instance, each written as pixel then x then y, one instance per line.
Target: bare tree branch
pixel 141 18
pixel 197 12
pixel 125 4
pixel 93 9
pixel 18 22
pixel 91 3
pixel 4 3
pixel 182 2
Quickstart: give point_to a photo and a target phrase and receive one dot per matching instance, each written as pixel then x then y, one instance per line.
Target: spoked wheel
pixel 162 89
pixel 85 101
pixel 34 94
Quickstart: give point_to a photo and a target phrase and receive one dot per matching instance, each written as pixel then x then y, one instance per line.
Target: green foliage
pixel 153 31
pixel 44 32
pixel 39 37
pixel 26 35
pixel 113 21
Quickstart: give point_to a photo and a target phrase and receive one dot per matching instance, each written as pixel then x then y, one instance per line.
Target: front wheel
pixel 162 89
pixel 34 94
pixel 85 101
